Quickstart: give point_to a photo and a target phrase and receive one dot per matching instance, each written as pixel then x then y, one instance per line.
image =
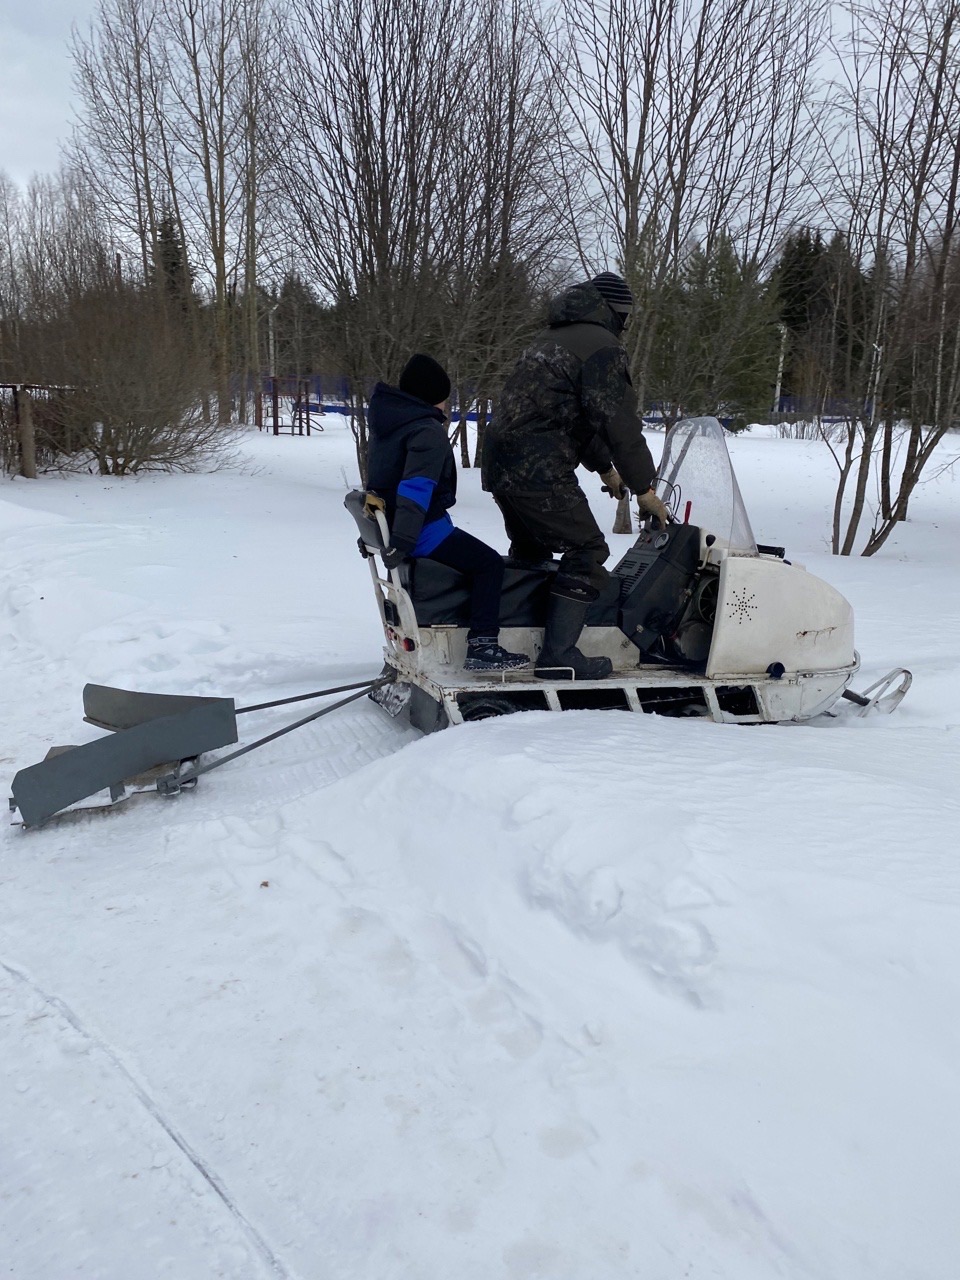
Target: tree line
pixel 325 186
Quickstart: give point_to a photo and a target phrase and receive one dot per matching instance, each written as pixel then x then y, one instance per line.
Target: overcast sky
pixel 35 81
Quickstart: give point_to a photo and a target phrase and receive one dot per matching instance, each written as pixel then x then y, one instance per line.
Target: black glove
pixel 393 557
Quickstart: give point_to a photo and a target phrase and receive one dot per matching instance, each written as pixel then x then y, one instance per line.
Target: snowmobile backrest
pixel 370 513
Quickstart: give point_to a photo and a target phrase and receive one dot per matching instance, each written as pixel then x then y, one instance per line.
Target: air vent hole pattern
pixel 741 606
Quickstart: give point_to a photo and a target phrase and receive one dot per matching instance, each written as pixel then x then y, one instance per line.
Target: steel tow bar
pixel 172 784
pixel 305 697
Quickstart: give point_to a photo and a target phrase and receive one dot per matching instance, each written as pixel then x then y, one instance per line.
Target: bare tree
pixel 364 142
pixel 501 222
pixel 136 383
pixel 10 292
pixel 120 73
pixel 897 187
pixel 126 374
pixel 692 121
pixel 206 126
pixel 169 93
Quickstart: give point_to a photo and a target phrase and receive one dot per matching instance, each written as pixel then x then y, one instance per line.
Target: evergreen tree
pixel 716 347
pixel 297 324
pixel 799 278
pixel 824 302
pixel 171 268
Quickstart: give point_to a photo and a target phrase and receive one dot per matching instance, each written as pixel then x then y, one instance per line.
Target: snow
pixel 570 996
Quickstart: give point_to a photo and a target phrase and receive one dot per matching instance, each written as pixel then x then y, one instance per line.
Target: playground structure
pixel 304 397
pixel 297 405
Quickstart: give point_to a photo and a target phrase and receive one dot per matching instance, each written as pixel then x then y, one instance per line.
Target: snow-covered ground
pixel 582 996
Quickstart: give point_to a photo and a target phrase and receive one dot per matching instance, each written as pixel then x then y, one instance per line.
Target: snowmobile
pixel 698 619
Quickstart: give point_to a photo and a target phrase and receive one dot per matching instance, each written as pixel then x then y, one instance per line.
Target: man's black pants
pixel 540 523
pixel 484 566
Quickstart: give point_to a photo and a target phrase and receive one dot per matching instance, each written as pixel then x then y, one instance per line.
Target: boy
pixel 410 464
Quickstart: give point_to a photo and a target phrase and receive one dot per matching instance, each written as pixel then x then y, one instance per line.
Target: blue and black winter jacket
pixel 410 465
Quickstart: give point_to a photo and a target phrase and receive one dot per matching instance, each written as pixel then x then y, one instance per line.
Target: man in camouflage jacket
pixel 569 402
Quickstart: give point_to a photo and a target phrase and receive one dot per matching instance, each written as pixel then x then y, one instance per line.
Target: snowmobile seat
pixel 441 596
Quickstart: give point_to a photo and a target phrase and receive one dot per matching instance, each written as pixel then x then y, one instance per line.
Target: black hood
pixel 390 409
pixel 582 304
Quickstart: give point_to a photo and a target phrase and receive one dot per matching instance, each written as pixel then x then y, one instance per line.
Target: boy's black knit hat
pixel 424 378
pixel 615 290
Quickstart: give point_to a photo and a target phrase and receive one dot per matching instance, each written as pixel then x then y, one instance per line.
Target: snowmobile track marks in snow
pixel 209 1175
pixel 314 758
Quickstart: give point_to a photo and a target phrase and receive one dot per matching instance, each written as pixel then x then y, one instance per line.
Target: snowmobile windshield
pixel 696 474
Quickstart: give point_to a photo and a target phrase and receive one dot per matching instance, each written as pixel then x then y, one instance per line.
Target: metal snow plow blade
pixel 107 764
pixel 883 695
pixel 117 709
pixel 155 744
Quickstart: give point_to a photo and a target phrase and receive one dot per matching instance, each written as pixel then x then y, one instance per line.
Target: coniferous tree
pixel 824 304
pixel 296 326
pixel 171 268
pixel 716 348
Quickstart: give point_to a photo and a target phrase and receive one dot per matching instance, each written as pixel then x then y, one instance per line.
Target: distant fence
pixel 296 405
pixel 832 409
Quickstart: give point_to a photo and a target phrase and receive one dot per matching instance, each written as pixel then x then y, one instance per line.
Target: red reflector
pixel 686 514
pixel 408 644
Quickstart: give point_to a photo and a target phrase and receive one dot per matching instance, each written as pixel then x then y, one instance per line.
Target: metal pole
pixel 272 350
pixel 171 784
pixel 28 442
pixel 304 697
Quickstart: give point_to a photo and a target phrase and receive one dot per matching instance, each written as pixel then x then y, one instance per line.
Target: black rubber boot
pixel 560 659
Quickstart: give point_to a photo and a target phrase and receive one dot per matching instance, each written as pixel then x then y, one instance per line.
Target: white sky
pixel 35 81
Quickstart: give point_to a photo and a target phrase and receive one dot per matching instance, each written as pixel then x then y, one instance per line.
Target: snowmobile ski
pixel 882 695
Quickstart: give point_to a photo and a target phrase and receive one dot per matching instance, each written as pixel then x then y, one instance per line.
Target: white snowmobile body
pixel 698 620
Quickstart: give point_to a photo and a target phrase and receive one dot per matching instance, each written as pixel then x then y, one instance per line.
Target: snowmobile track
pixel 212 1179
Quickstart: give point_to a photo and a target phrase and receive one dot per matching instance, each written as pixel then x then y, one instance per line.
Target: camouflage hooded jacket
pixel 567 402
